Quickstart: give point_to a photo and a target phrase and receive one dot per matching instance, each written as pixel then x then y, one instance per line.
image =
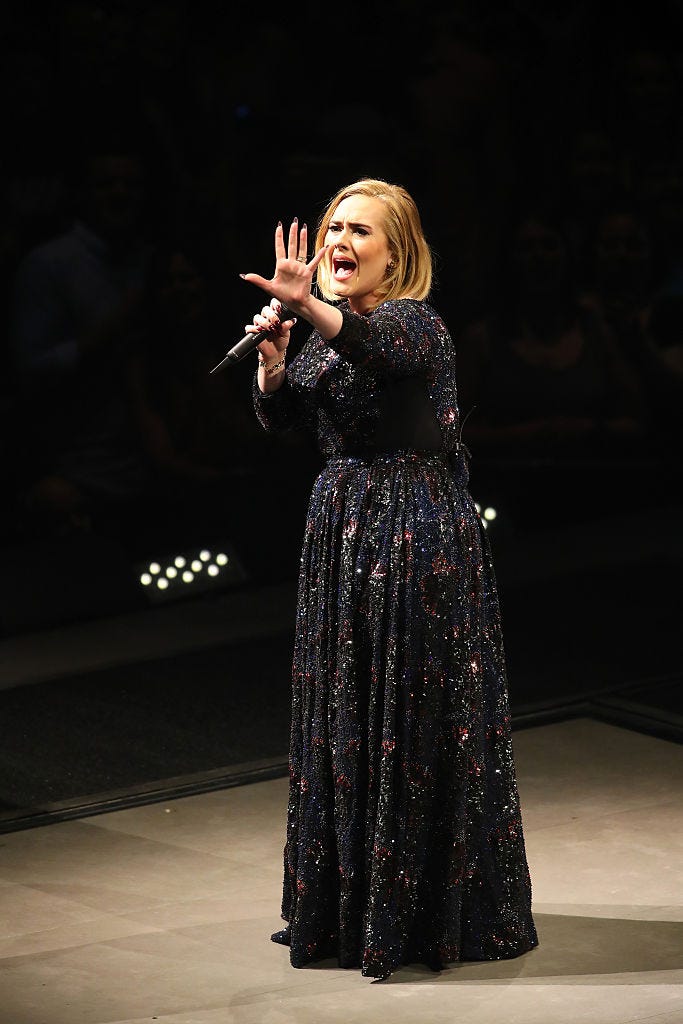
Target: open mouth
pixel 342 268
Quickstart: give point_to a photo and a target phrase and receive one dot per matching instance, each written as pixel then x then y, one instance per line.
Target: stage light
pixel 490 513
pixel 178 576
pixel 477 506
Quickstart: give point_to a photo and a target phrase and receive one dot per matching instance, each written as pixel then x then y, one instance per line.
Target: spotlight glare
pixel 213 570
pixel 188 576
pixel 477 506
pixel 490 513
pixel 205 555
pixel 154 568
pixel 162 583
pixel 196 566
pixel 221 559
pixel 179 562
pixel 484 524
pixel 145 579
pixel 171 572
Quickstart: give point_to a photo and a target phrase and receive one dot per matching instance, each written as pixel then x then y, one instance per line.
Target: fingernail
pixel 294 320
pixel 296 220
pixel 243 276
pixel 305 225
pixel 279 223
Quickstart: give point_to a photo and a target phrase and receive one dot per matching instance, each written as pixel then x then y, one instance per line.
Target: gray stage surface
pixel 163 912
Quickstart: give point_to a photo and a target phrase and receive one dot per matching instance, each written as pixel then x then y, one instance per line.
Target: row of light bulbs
pixel 183 570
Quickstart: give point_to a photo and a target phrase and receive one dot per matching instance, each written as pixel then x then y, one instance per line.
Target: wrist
pixel 307 308
pixel 271 382
pixel 272 366
pixel 323 316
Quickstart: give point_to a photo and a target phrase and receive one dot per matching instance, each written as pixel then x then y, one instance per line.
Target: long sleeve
pixel 284 409
pixel 399 338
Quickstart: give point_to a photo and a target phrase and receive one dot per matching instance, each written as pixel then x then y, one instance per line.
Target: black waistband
pixel 456 459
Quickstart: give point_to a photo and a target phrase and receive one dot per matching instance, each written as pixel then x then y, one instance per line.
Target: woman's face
pixel 359 251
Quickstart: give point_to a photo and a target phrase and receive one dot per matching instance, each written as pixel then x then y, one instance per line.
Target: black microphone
pixel 248 343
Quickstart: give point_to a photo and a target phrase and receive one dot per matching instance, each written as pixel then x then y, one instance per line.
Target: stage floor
pixel 163 912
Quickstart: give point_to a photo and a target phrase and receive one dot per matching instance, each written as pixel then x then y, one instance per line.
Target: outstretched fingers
pixel 320 255
pixel 302 254
pixel 260 282
pixel 280 251
pixel 297 242
pixel 293 241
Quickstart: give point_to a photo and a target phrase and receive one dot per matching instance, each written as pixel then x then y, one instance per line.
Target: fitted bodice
pixel 386 382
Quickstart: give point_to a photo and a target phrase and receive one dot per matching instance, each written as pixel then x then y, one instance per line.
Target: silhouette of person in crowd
pixel 638 309
pixel 75 307
pixel 540 376
pixel 189 420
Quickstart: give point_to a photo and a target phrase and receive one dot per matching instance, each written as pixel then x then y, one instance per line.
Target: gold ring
pixel 301 259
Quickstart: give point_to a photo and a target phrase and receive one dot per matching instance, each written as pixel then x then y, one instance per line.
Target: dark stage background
pixel 149 150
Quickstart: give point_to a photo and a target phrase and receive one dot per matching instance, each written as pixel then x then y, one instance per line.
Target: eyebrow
pixel 352 224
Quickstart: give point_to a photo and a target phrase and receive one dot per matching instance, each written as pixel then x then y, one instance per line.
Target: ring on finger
pixel 301 259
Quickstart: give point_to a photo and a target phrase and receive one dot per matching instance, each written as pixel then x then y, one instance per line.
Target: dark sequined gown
pixel 404 835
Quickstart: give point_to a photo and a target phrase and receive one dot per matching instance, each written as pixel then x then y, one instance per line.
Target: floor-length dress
pixel 404 833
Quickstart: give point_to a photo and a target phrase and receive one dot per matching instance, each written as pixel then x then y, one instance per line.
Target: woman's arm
pixel 279 405
pixel 399 338
pixel 292 282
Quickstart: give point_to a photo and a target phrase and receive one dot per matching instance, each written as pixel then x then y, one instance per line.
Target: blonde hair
pixel 411 273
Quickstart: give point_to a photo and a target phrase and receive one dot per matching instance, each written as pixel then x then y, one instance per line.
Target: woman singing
pixel 404 834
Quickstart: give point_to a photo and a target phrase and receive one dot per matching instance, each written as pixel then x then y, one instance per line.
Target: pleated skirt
pixel 404 840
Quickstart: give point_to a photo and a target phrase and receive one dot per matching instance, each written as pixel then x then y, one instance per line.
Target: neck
pixel 366 303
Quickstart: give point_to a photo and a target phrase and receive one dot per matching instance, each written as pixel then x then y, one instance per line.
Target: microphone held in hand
pixel 248 343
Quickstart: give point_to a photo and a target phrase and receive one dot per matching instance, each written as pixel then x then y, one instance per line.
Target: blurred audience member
pixel 643 315
pixel 658 190
pixel 645 102
pixel 188 417
pixel 76 300
pixel 32 192
pixel 591 178
pixel 458 99
pixel 198 429
pixel 553 412
pixel 540 374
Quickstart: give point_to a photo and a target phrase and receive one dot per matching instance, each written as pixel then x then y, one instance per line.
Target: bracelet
pixel 271 369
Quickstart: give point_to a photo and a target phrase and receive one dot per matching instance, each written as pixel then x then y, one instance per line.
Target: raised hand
pixel 291 283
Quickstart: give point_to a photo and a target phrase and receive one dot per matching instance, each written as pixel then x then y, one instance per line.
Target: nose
pixel 342 238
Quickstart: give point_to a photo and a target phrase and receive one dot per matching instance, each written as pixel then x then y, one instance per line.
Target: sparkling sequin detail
pixel 404 833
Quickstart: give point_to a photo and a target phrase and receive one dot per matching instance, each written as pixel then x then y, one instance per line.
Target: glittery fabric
pixel 404 834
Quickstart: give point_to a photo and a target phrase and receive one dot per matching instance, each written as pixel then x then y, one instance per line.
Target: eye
pixel 361 231
pixel 333 227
